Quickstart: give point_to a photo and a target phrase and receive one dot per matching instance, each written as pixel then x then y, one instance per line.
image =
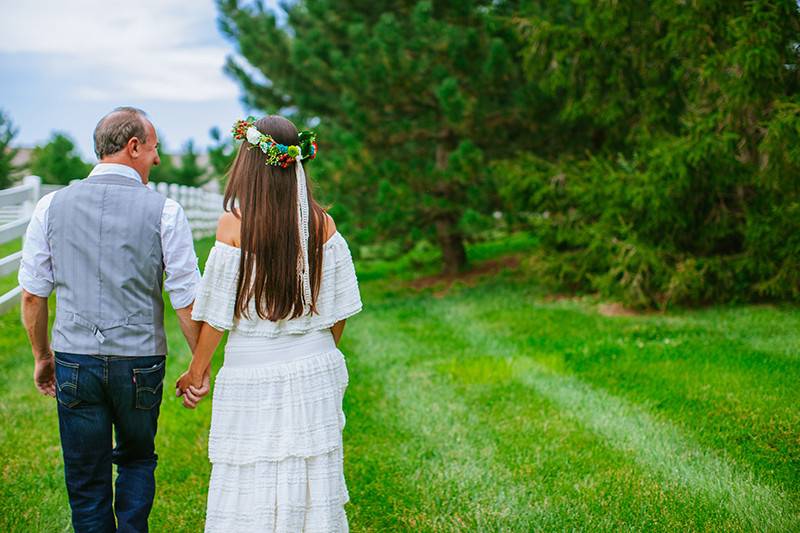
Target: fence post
pixel 26 212
pixel 35 182
pixel 173 192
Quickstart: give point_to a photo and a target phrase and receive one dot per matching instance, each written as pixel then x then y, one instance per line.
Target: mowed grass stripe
pixel 589 485
pixel 451 461
pixel 656 444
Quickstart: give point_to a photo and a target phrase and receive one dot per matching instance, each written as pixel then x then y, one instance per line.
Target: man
pixel 104 245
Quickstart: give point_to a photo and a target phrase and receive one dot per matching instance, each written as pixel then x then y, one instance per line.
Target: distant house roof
pixel 23 157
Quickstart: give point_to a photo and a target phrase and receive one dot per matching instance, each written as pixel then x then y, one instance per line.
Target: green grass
pixel 14 245
pixel 493 408
pixel 10 281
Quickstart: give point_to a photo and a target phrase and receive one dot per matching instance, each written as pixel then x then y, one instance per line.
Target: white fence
pixel 202 208
pixel 22 200
pixel 13 210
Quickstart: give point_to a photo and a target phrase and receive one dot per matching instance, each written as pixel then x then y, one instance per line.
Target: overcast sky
pixel 63 65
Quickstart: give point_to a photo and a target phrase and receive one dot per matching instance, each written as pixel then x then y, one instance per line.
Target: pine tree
pixel 681 180
pixel 413 98
pixel 220 154
pixel 190 172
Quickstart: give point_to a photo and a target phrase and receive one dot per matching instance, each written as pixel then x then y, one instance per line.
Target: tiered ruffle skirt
pixel 275 443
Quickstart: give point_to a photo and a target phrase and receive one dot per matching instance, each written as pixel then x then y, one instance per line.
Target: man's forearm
pixel 189 327
pixel 34 318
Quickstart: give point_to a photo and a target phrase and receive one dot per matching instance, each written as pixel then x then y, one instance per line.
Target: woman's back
pixel 338 297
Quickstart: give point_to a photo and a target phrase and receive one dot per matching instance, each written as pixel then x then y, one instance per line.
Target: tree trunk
pixel 451 241
pixel 454 255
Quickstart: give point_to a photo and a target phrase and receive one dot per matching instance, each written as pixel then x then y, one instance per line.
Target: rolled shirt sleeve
pixel 180 260
pixel 36 266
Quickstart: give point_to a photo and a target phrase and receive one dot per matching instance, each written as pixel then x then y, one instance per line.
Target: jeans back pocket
pixel 149 385
pixel 67 383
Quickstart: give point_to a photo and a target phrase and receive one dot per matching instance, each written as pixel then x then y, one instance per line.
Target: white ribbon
pixel 302 227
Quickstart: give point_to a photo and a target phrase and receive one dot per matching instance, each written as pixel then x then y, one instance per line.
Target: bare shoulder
pixel 229 229
pixel 330 227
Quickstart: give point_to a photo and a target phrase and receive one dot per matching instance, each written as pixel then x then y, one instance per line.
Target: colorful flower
pixel 252 135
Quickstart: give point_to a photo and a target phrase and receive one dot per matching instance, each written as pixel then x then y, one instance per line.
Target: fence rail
pixel 23 199
pixel 13 210
pixel 202 208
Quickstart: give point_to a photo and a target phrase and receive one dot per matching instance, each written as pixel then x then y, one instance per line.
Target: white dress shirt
pixel 180 261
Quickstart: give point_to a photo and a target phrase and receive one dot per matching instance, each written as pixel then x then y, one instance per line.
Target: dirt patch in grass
pixel 617 309
pixel 442 283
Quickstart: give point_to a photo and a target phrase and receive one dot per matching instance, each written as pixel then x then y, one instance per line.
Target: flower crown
pixel 278 155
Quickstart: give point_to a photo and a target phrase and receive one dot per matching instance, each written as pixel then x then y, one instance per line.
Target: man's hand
pixel 192 389
pixel 34 317
pixel 44 374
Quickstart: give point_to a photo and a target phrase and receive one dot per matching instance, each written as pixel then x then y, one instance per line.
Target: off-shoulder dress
pixel 275 443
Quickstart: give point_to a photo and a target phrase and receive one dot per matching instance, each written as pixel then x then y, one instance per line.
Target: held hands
pixel 44 374
pixel 193 387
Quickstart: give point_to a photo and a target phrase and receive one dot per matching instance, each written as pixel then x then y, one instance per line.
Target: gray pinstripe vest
pixel 104 234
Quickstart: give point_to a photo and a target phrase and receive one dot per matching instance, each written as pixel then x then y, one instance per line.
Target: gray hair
pixel 115 129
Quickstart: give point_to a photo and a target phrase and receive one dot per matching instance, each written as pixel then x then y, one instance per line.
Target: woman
pixel 280 278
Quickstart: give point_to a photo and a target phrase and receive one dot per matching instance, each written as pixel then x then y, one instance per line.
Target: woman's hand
pixel 187 379
pixel 194 384
pixel 192 387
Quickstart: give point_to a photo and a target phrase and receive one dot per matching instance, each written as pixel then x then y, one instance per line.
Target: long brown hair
pixel 270 243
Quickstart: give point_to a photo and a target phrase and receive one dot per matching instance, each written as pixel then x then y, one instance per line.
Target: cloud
pixel 168 50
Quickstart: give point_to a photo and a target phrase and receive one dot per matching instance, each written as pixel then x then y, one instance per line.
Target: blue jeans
pixel 96 393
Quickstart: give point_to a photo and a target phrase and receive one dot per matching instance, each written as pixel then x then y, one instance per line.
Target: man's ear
pixel 134 147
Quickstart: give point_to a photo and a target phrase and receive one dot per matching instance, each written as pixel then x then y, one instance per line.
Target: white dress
pixel 275 443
